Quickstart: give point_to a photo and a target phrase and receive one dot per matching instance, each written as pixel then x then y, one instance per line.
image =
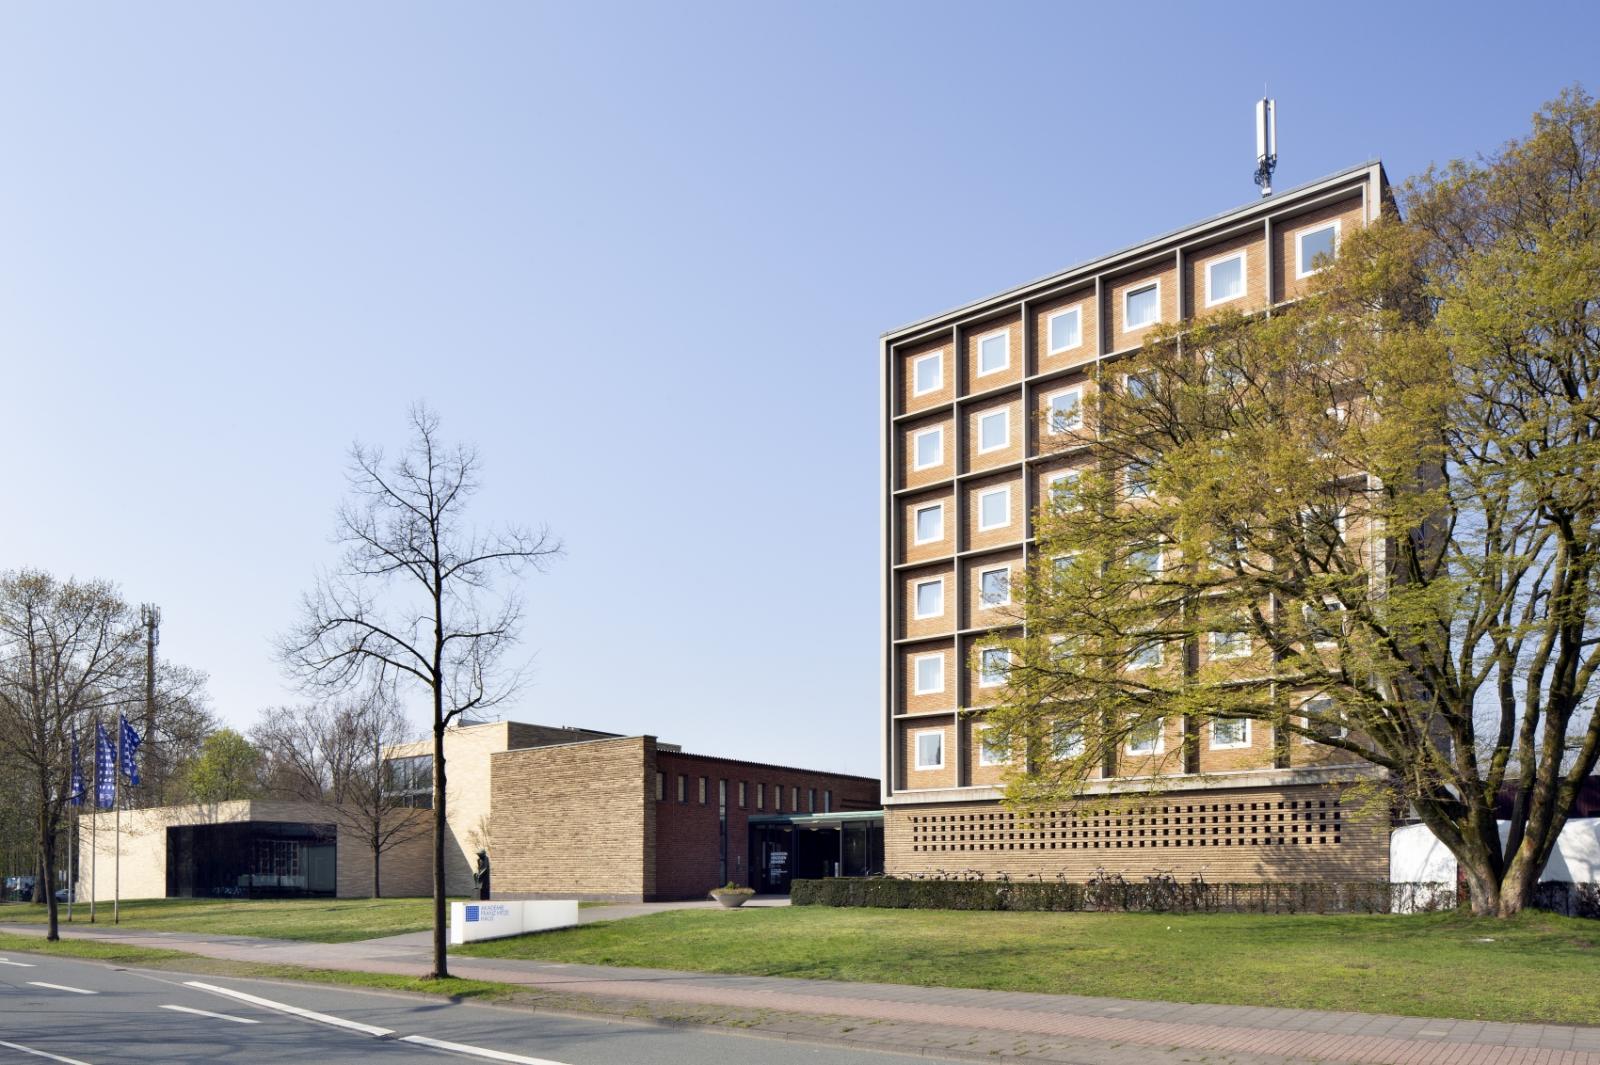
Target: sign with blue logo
pixel 472 913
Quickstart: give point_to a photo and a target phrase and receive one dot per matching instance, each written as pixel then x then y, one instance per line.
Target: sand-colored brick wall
pixel 1295 833
pixel 974 612
pixel 946 697
pixel 1165 273
pixel 1253 246
pixel 405 867
pixel 1016 433
pixel 574 821
pixel 1009 326
pixel 911 551
pixel 907 381
pixel 1010 533
pixel 1046 361
pixel 943 623
pixel 945 469
pixel 1285 234
pixel 944 777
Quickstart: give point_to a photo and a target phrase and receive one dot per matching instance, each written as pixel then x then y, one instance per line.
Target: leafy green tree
pixel 1370 521
pixel 228 767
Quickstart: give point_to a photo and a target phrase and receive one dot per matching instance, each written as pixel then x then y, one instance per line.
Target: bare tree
pixel 68 650
pixel 414 599
pixel 334 754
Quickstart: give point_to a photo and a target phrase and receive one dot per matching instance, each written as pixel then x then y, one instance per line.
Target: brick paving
pixel 986 1024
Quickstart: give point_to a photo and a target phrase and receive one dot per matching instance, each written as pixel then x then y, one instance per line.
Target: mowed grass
pixel 1536 967
pixel 309 920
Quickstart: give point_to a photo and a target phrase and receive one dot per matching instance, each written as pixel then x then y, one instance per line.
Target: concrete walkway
pixel 933 1020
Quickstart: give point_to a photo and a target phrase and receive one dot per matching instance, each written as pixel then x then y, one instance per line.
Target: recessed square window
pixel 1229 733
pixel 1061 489
pixel 929 598
pixel 930 523
pixel 928 448
pixel 1066 330
pixel 993 664
pixel 1146 558
pixel 929 674
pixel 994 430
pixel 1140 481
pixel 1146 655
pixel 1315 248
pixel 994 587
pixel 927 374
pixel 994 353
pixel 991 750
pixel 1225 279
pixel 1230 645
pixel 994 508
pixel 1066 411
pixel 930 749
pixel 1141 306
pixel 1145 738
pixel 1066 741
pixel 1325 709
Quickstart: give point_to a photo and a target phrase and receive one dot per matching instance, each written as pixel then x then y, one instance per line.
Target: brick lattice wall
pixel 1297 833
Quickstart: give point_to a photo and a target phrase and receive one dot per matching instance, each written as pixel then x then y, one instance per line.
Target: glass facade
pixel 811 848
pixel 252 860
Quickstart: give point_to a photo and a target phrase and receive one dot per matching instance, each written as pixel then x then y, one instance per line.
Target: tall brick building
pixel 971 400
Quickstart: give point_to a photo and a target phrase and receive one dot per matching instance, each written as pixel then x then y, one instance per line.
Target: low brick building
pixel 631 818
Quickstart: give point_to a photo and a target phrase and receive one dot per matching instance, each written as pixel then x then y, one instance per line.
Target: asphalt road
pixel 86 1013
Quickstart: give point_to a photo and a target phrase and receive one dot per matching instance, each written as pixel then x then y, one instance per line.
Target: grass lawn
pixel 1536 967
pixel 312 920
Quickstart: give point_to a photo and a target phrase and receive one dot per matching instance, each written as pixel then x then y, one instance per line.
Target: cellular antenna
pixel 1266 143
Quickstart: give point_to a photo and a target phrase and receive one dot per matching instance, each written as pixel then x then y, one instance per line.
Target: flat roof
pixel 1264 205
pixel 805 820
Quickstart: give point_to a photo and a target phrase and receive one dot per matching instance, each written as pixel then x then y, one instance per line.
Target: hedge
pixel 1162 895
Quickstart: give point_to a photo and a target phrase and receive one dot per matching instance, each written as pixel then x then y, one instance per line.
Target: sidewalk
pixel 969 1022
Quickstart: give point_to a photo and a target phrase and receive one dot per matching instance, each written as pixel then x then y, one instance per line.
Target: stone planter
pixel 733 899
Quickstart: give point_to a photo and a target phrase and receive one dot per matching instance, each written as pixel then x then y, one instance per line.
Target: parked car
pixel 19 887
pixel 62 895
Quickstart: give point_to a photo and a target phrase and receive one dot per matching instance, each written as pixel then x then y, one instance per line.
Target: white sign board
pixel 472 921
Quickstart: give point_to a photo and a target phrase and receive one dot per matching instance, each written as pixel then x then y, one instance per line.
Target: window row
pixel 701 789
pixel 928 745
pixel 1218 276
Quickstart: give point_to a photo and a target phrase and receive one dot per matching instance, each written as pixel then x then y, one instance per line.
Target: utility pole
pixel 150 618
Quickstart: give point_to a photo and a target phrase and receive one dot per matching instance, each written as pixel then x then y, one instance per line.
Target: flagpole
pixel 94 853
pixel 72 881
pixel 116 801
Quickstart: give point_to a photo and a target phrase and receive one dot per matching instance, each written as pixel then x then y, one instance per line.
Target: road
pixel 85 1013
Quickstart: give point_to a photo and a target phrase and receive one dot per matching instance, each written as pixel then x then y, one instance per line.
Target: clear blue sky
pixel 641 255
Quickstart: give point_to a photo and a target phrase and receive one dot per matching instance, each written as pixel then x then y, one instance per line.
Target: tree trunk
pixel 1483 884
pixel 377 855
pixel 47 873
pixel 441 966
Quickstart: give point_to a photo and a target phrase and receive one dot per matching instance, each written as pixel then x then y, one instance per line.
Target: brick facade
pixel 1041 366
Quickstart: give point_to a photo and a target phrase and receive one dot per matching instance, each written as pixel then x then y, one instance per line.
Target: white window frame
pixel 1132 290
pixel 916 364
pixel 916 449
pixel 1244 277
pixel 985 679
pixel 984 604
pixel 916 673
pixel 1003 412
pixel 1161 655
pixel 916 512
pixel 1074 749
pixel 1135 489
pixel 1343 732
pixel 985 494
pixel 1329 606
pixel 916 749
pixel 1158 742
pixel 1218 656
pixel 1160 552
pixel 1303 269
pixel 1219 746
pixel 1050 410
pixel 1076 310
pixel 984 758
pixel 1003 334
pixel 916 598
pixel 1054 479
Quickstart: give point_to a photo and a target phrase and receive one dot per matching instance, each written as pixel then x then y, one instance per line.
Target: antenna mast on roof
pixel 1266 143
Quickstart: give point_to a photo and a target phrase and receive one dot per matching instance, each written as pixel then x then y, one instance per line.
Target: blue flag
pixel 75 786
pixel 128 745
pixel 105 769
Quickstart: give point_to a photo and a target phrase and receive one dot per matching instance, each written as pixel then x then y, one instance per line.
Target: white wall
pixel 1417 856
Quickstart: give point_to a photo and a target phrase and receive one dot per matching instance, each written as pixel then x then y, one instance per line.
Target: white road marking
pixel 282 1007
pixel 18 964
pixel 477 1052
pixel 63 987
pixel 42 1054
pixel 208 1013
